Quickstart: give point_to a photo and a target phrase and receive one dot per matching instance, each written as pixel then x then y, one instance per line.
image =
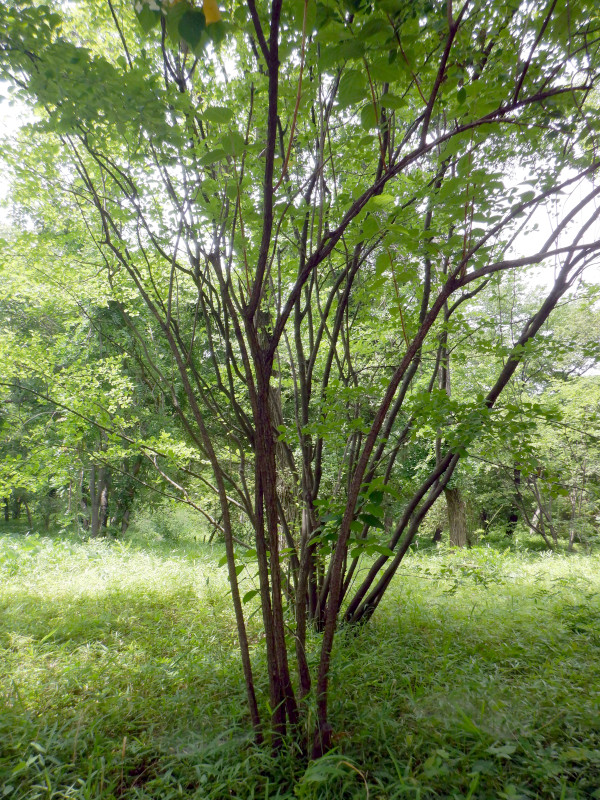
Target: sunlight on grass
pixel 479 677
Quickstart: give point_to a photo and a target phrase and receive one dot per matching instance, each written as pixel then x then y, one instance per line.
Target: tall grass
pixel 478 678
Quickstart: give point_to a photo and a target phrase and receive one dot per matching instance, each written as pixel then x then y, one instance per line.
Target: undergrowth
pixel 479 677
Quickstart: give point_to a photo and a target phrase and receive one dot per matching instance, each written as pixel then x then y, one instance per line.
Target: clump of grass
pixel 120 679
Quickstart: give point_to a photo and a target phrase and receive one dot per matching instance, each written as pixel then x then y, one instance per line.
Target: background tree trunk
pixel 94 504
pixel 457 517
pixel 124 507
pixel 103 494
pixel 28 512
pixel 513 516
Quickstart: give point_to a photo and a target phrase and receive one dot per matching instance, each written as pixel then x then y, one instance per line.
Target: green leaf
pixel 147 18
pixel 353 88
pixel 232 190
pixel 372 520
pixel 217 31
pixel 370 227
pixel 384 71
pixel 174 16
pixel 368 119
pixel 336 55
pixel 453 146
pixel 217 114
pixel 233 143
pixel 392 101
pixel 382 200
pixel 374 27
pixel 249 595
pixel 381 548
pixel 191 27
pixel 382 262
pixel 212 157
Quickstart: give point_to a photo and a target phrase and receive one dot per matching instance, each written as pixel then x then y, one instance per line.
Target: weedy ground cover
pixel 479 677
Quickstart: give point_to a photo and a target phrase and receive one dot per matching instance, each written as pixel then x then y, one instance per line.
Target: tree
pixel 70 368
pixel 540 456
pixel 305 196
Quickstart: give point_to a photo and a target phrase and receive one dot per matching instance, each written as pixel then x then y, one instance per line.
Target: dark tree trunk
pixel 457 517
pixel 6 510
pixel 125 501
pixel 83 517
pixel 485 522
pixel 513 516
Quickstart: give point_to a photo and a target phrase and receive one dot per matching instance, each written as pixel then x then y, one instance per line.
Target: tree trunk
pixel 6 510
pixel 576 497
pixel 457 517
pixel 573 519
pixel 125 501
pixel 103 492
pixel 485 522
pixel 282 699
pixel 28 512
pixel 83 517
pixel 543 513
pixel 455 505
pixel 94 504
pixel 536 524
pixel 513 516
pixel 48 508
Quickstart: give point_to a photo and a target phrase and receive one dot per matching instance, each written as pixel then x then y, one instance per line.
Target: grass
pixel 478 678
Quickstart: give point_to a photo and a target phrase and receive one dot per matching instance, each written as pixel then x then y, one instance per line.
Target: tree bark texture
pixel 457 517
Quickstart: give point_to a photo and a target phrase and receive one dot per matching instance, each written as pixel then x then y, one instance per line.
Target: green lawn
pixel 478 678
